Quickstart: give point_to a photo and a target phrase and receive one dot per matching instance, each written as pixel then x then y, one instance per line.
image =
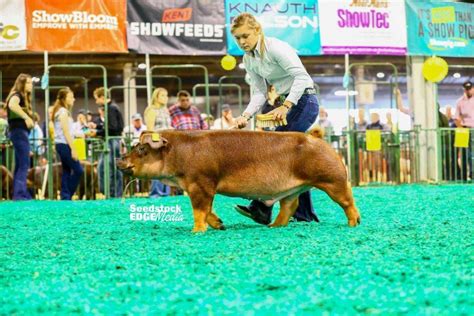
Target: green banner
pixel 440 28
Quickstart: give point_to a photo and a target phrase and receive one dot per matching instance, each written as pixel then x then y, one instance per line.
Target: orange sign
pixel 76 26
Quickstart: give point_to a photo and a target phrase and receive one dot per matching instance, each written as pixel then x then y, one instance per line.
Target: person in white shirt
pixel 270 61
pixel 226 120
pixel 135 129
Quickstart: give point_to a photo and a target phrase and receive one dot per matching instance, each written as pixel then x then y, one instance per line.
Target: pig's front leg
pixel 201 196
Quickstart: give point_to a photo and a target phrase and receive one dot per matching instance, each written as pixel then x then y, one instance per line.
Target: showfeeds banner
pixel 362 27
pixel 295 22
pixel 12 25
pixel 193 27
pixel 76 26
pixel 440 28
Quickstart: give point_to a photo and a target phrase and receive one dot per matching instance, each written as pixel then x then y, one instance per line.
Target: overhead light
pixel 142 66
pixel 337 66
pixel 380 75
pixel 35 79
pixel 241 66
pixel 457 75
pixel 343 93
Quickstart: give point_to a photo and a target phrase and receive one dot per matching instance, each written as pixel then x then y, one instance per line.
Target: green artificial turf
pixel 412 254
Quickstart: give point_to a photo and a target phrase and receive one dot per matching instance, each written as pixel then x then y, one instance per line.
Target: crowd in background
pixel 24 129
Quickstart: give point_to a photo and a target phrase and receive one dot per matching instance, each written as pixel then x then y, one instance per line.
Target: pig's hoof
pixel 354 222
pixel 276 225
pixel 199 229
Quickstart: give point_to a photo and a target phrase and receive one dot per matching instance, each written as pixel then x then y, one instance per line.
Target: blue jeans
pixel 21 144
pixel 159 189
pixel 116 178
pixel 72 171
pixel 300 117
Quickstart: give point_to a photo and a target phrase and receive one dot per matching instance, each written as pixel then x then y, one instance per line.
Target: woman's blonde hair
pixel 155 94
pixel 248 19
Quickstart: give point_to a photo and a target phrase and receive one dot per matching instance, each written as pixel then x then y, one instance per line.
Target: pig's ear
pixel 155 140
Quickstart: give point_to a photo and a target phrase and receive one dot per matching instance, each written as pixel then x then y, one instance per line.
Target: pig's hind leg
pixel 288 208
pixel 214 221
pixel 339 190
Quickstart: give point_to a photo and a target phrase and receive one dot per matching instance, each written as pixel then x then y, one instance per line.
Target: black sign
pixel 194 27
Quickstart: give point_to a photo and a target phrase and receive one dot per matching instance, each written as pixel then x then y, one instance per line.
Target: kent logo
pixel 177 15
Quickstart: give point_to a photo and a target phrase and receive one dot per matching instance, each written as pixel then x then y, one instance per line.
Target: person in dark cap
pixel 465 118
pixel 226 120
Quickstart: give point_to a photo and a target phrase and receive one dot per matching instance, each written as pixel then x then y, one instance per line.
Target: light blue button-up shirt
pixel 280 67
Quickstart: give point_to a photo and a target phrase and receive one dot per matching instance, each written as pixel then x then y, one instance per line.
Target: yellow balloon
pixel 435 69
pixel 228 62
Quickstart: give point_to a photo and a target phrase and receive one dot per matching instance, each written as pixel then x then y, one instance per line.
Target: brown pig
pixel 255 165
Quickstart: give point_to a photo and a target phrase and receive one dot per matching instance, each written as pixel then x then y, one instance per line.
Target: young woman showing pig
pixel 270 61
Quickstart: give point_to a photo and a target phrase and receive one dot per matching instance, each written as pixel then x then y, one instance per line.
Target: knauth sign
pixel 162 27
pixel 89 25
pixel 444 29
pixel 12 25
pixel 363 27
pixel 295 22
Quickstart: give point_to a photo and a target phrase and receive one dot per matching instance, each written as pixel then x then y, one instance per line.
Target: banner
pixel 363 27
pixel 192 27
pixel 440 28
pixel 12 25
pixel 76 26
pixel 295 22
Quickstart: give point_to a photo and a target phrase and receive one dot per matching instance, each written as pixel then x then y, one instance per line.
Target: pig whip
pixel 126 188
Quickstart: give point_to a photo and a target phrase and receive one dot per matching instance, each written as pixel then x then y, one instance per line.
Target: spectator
pixel 226 120
pixel 36 138
pixel 79 127
pixel 157 118
pixel 184 115
pixel 89 116
pixel 115 129
pixel 3 134
pixel 361 125
pixel 449 116
pixel 20 123
pixel 375 122
pixel 465 118
pixel 324 122
pixel 135 129
pixel 64 143
pixel 208 119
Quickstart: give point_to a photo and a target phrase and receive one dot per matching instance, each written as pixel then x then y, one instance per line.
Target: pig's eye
pixel 141 150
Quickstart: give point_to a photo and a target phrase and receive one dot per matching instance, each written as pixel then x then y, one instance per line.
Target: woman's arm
pixel 399 101
pixel 63 120
pixel 150 117
pixel 14 105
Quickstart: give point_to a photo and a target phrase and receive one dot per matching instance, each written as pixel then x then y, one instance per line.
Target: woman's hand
pixel 279 114
pixel 74 153
pixel 29 122
pixel 242 120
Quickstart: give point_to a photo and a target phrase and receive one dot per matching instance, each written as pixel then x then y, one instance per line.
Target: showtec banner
pixel 295 22
pixel 440 28
pixel 363 27
pixel 76 26
pixel 12 25
pixel 193 27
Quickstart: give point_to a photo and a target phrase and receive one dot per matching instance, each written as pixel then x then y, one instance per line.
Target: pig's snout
pixel 125 166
